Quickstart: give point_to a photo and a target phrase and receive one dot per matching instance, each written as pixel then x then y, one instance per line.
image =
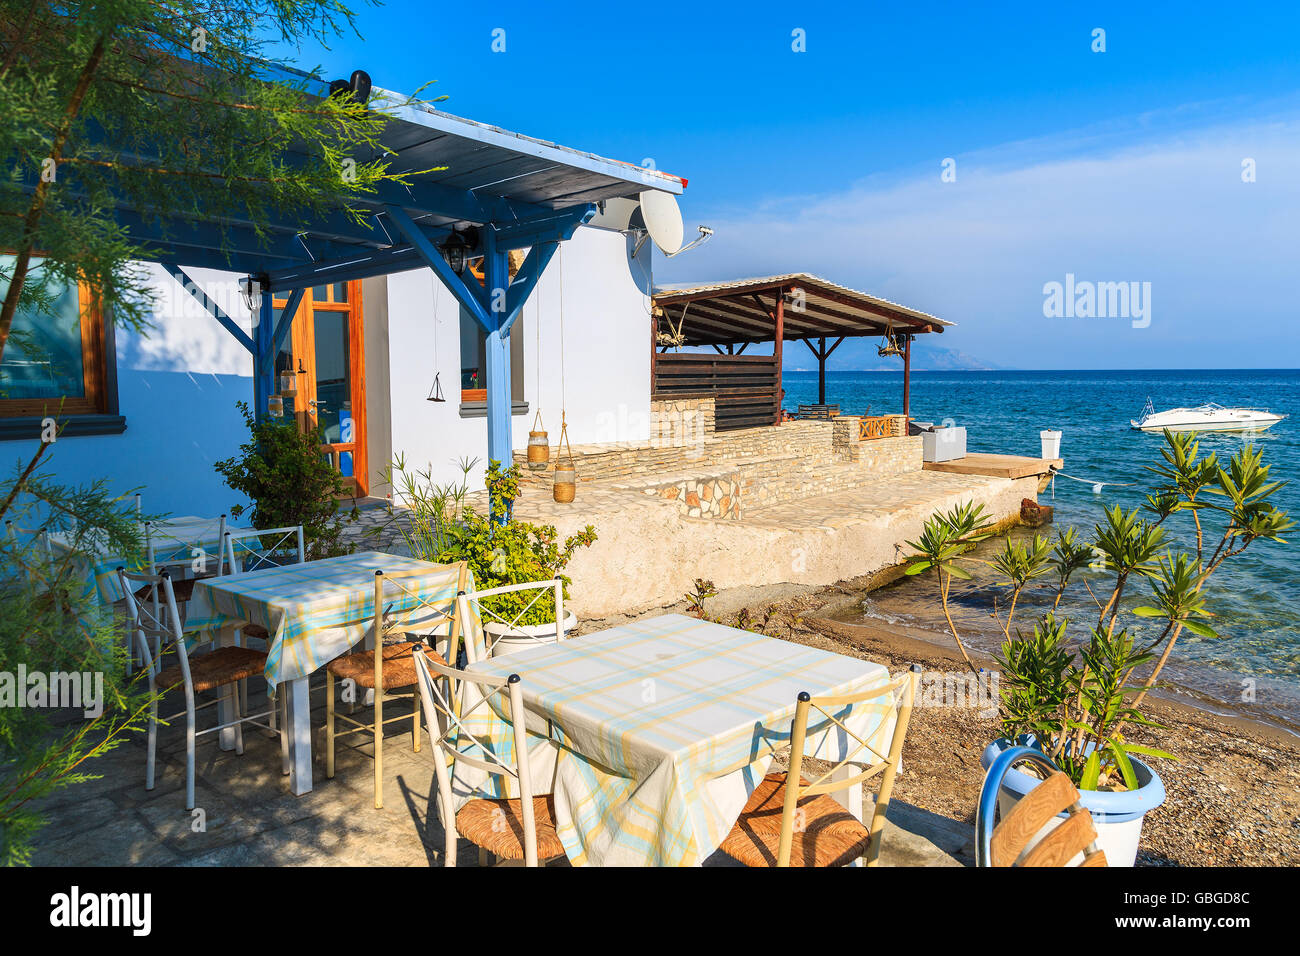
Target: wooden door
pixel 325 362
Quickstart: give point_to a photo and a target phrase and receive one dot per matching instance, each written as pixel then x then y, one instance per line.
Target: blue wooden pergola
pixel 517 193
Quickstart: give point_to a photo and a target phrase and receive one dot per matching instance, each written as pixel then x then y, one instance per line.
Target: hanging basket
pixel 566 475
pixel 539 446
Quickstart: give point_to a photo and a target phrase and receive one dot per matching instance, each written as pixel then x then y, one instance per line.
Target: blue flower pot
pixel 1116 815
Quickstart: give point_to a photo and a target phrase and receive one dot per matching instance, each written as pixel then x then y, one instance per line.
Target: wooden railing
pixel 744 387
pixel 881 426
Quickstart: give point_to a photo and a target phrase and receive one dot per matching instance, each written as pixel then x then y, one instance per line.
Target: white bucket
pixel 1051 443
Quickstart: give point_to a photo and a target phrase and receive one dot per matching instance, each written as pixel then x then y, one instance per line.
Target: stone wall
pixel 681 421
pixel 710 474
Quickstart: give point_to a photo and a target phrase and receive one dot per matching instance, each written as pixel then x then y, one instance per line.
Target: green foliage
pixel 1076 698
pixel 168 110
pixel 428 508
pixel 700 593
pixel 282 471
pixel 498 550
pixel 945 537
pixel 52 623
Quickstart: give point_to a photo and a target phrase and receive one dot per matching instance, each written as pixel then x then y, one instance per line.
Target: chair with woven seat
pixel 508 828
pixel 801 825
pixel 386 668
pixel 1014 841
pixel 218 670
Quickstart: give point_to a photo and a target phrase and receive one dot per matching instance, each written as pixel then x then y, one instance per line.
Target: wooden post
pixel 907 379
pixel 821 371
pixel 654 347
pixel 776 351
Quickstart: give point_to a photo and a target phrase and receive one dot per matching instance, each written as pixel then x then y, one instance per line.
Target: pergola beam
pixel 209 306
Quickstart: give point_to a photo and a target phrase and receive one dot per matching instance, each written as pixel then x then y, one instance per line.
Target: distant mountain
pixel 860 355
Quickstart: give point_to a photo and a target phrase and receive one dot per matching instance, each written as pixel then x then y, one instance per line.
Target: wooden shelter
pixel 730 316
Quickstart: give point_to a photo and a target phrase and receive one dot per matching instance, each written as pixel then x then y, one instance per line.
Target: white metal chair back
pixel 455 743
pixel 479 617
pixel 38 537
pixel 286 546
pixel 885 763
pixel 197 561
pixel 155 619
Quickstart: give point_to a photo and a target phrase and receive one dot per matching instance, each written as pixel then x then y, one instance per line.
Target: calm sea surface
pixel 1254 666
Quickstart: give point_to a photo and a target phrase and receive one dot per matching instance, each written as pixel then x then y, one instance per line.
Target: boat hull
pixel 1229 425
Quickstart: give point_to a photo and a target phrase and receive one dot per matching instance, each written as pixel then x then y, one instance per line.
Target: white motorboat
pixel 1206 418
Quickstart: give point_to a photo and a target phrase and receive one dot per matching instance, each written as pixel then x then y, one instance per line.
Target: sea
pixel 1253 667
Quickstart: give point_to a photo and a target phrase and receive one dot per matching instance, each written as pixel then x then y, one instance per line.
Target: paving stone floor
pixel 249 817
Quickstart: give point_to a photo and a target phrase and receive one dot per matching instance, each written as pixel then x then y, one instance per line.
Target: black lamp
pixel 455 249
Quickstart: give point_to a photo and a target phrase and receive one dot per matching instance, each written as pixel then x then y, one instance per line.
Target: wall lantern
pixel 456 248
pixel 251 288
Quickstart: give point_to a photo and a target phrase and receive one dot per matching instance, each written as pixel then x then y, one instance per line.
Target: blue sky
pixel 1122 166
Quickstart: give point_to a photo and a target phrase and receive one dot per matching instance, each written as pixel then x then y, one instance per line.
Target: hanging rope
pixel 537 394
pixel 435 391
pixel 564 399
pixel 678 338
pixel 1096 485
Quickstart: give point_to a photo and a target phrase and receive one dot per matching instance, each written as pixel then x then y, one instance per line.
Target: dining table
pixel 183 538
pixel 652 735
pixel 314 612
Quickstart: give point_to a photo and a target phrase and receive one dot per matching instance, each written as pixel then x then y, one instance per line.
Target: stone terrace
pixel 802 503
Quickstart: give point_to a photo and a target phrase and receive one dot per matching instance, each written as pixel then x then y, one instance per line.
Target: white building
pixel 157 410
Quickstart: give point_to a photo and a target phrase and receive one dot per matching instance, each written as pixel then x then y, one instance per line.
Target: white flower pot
pixel 509 640
pixel 1116 815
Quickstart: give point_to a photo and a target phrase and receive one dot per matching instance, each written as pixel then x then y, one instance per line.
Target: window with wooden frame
pixel 54 360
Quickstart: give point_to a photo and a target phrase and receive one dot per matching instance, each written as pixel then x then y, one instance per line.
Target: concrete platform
pixel 996 466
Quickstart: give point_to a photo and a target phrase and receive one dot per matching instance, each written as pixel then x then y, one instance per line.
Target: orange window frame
pixel 94 370
pixel 304 353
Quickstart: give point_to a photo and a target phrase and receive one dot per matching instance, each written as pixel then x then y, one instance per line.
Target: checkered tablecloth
pixel 319 610
pixel 185 538
pixel 663 728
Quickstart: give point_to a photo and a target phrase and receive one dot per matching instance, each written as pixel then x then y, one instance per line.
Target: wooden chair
pixel 800 825
pixel 1005 845
pixel 516 828
pixel 384 669
pixel 218 670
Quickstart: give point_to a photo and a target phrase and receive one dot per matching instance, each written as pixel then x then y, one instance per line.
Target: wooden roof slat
pixel 737 311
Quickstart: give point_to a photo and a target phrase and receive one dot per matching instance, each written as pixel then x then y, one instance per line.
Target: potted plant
pixel 437 524
pixel 1073 696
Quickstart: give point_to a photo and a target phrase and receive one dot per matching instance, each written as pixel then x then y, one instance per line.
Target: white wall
pixel 177 387
pixel 178 384
pixel 606 356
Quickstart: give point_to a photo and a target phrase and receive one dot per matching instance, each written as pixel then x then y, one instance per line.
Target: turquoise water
pixel 1256 598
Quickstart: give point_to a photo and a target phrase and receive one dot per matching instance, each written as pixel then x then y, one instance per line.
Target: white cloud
pixel 1119 204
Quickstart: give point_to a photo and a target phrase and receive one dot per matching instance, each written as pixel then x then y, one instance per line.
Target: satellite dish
pixel 614 214
pixel 663 220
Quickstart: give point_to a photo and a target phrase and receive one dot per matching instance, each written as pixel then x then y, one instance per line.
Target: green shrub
pixel 282 471
pixel 437 525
